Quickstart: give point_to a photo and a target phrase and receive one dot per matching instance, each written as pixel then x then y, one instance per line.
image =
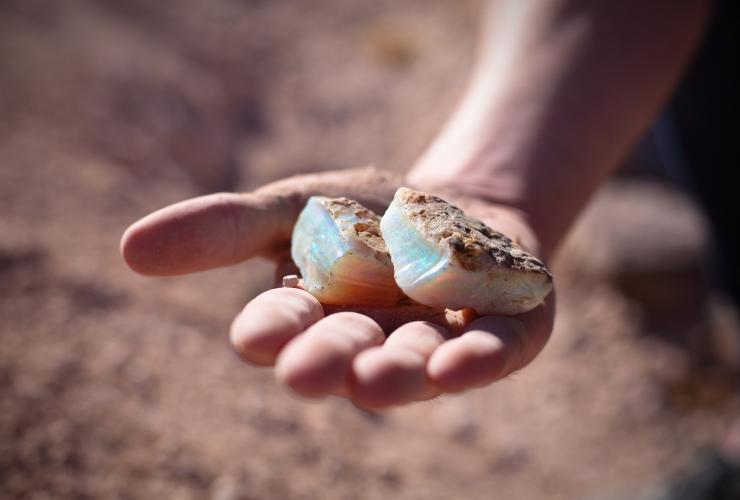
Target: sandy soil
pixel 118 386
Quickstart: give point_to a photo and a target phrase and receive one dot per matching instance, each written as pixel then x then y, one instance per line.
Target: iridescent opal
pixel 444 258
pixel 337 246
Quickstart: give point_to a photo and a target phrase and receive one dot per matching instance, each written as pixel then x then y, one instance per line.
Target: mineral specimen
pixel 444 258
pixel 336 244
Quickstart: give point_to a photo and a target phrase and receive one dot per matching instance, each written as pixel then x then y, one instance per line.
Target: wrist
pixel 485 181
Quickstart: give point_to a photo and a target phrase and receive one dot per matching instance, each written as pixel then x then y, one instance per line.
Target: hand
pixel 346 353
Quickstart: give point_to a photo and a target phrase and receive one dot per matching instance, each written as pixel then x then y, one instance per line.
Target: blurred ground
pixel 117 386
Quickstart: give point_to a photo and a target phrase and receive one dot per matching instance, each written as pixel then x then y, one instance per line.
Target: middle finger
pixel 317 362
pixel 395 373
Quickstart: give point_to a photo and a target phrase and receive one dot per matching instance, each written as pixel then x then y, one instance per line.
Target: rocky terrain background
pixel 118 386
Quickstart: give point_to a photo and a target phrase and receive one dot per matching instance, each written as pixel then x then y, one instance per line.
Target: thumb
pixel 207 232
pixel 224 229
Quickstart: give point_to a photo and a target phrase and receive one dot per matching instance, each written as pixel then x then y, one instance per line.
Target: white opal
pixel 443 258
pixel 337 246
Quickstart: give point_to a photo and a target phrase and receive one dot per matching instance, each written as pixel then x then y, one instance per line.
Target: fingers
pixel 344 353
pixel 476 358
pixel 391 318
pixel 395 373
pixel 318 362
pixel 490 348
pixel 272 319
pixel 206 232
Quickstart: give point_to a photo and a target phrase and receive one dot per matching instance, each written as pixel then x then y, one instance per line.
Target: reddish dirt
pixel 118 386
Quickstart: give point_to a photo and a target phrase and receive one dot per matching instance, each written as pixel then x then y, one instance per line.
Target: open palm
pixel 362 354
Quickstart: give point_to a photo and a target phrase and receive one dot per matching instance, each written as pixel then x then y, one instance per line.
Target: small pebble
pixel 291 281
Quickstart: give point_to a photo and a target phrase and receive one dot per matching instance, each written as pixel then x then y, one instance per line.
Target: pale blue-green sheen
pixel 316 244
pixel 415 259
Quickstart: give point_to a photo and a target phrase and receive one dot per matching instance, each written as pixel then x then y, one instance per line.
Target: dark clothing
pixel 706 123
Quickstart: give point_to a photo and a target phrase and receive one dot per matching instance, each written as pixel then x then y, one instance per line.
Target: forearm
pixel 561 92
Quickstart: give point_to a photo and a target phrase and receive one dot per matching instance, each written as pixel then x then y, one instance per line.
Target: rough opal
pixel 336 244
pixel 444 258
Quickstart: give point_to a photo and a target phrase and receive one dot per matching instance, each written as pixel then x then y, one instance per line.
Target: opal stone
pixel 444 258
pixel 336 244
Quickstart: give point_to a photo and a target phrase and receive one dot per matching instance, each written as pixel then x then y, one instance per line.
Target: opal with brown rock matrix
pixel 336 244
pixel 445 258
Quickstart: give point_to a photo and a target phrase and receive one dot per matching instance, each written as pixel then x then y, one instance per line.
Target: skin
pixel 524 150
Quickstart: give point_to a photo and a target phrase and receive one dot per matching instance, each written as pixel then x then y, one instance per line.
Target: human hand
pixel 317 351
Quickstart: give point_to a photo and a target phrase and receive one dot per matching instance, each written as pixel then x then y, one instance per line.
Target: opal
pixel 444 258
pixel 343 260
